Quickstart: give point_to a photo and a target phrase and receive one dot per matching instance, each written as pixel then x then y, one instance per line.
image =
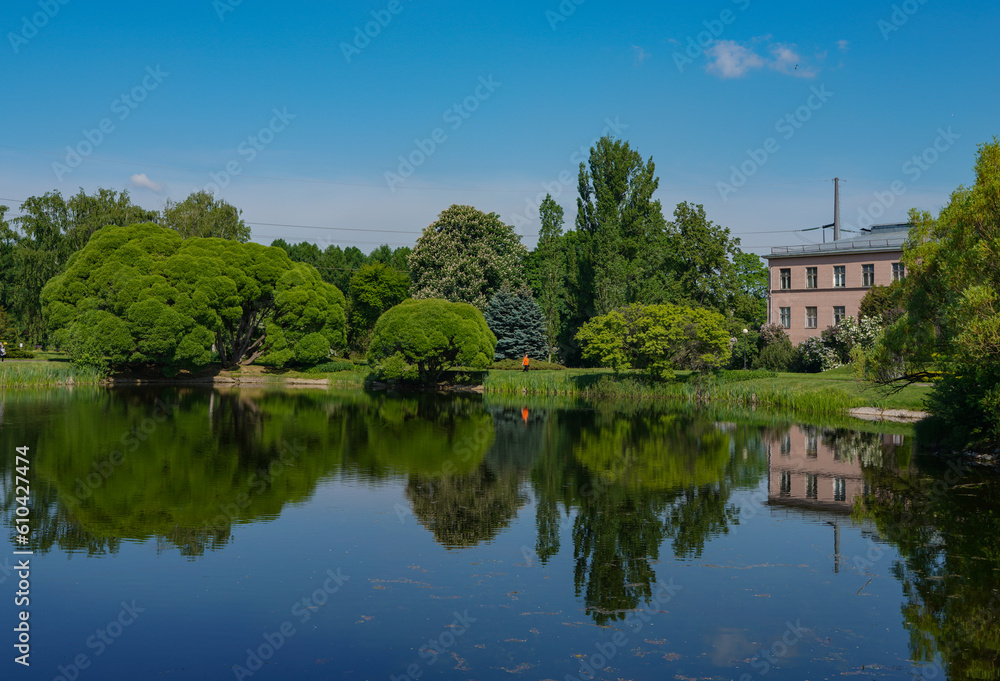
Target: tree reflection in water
pixel 945 524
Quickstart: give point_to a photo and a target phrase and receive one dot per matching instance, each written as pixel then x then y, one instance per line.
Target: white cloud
pixel 842 45
pixel 729 59
pixel 640 55
pixel 143 181
pixel 732 59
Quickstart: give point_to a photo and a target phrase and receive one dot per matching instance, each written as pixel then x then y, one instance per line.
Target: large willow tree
pixel 951 322
pixel 143 295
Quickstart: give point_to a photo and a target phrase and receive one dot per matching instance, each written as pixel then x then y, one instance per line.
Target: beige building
pixel 814 286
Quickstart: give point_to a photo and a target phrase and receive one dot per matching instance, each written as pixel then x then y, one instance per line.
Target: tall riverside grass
pixel 530 383
pixel 15 375
pixel 744 390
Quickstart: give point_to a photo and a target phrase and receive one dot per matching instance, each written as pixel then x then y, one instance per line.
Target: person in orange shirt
pixel 524 362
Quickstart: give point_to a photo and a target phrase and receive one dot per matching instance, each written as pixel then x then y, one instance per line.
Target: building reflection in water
pixel 818 472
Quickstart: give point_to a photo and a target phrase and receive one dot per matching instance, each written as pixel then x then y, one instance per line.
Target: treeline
pixel 620 252
pixel 38 244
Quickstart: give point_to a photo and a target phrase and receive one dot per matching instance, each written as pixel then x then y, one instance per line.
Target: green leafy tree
pixel 308 319
pixel 519 325
pixel 547 270
pixel 657 339
pixel 48 231
pixel 423 338
pixel 884 302
pixel 776 350
pixel 142 295
pixel 203 215
pixel 623 228
pixel 749 298
pixel 952 317
pixel 374 289
pixel 466 256
pixel 396 258
pixel 705 272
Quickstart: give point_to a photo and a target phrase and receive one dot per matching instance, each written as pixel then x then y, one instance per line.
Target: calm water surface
pixel 196 534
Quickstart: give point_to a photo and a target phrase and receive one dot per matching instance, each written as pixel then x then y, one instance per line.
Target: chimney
pixel 836 209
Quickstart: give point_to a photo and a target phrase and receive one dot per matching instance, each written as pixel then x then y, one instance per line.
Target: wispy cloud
pixel 732 59
pixel 842 45
pixel 640 55
pixel 142 180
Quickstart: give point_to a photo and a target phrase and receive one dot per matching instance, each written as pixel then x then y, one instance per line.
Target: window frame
pixel 812 277
pixel 839 313
pixel 868 275
pixel 840 276
pixel 813 317
pixel 898 271
pixel 785 279
pixel 785 317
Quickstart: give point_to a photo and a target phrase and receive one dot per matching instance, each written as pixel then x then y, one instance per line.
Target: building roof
pixel 875 238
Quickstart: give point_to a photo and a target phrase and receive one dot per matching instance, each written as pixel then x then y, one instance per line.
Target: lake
pixel 189 533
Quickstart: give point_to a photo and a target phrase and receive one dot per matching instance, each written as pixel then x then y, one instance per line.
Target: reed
pixel 19 375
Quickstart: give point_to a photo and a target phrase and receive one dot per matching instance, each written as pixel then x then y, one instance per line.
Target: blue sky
pixel 299 118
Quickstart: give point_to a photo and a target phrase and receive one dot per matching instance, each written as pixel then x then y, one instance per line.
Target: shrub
pixel 776 357
pixel 429 337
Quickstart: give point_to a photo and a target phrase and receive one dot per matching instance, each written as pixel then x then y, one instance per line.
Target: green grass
pixel 832 392
pixel 36 374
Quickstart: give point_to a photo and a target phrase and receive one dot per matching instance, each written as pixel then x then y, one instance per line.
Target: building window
pixel 811 318
pixel 839 489
pixel 786 447
pixel 898 271
pixel 786 279
pixel 838 313
pixel 812 487
pixel 785 484
pixel 786 317
pixel 840 276
pixel 867 275
pixel 812 446
pixel 812 279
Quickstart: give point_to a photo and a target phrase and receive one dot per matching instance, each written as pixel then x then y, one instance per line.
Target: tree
pixel 884 302
pixel 519 325
pixel 749 299
pixel 622 226
pixel 952 317
pixel 466 256
pixel 703 249
pixel 308 320
pixel 202 215
pixel 49 230
pixel 547 270
pixel 141 295
pixel 777 352
pixel 423 338
pixel 656 339
pixel 374 289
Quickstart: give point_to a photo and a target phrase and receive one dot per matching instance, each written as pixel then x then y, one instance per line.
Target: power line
pixel 532 190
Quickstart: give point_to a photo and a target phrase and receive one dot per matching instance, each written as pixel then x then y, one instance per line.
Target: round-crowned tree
pixel 423 338
pixel 466 256
pixel 142 295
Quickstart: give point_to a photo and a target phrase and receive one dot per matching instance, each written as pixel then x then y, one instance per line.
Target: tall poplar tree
pixel 547 271
pixel 622 224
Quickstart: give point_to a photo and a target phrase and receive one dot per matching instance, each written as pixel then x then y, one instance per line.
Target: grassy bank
pixel 18 374
pixel 831 392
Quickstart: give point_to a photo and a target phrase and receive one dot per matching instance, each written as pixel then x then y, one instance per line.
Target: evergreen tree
pixel 519 325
